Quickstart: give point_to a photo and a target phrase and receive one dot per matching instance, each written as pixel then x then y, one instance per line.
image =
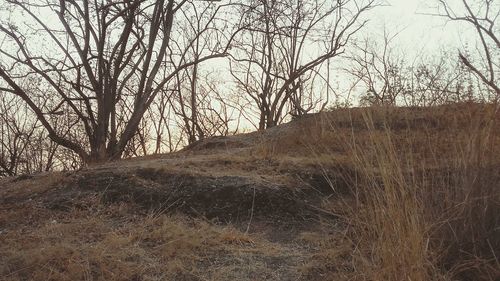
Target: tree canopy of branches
pixel 104 62
pixel 483 16
pixel 388 76
pixel 283 45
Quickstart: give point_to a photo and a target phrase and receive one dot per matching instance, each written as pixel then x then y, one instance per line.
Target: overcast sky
pixel 418 28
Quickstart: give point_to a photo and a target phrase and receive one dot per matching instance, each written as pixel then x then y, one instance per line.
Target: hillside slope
pixel 260 206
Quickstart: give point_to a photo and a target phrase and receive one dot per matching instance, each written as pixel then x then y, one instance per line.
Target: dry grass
pixel 115 244
pixel 425 197
pixel 388 219
pixel 416 192
pixel 118 242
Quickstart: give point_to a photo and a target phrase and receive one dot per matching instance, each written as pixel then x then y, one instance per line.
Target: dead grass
pixel 118 242
pixel 425 197
pixel 415 192
pixel 29 185
pixel 113 244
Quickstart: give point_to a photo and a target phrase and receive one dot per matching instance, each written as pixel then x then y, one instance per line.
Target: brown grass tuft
pixel 425 196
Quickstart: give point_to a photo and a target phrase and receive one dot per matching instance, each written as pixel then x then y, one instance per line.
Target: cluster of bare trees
pixel 388 77
pixel 281 52
pixel 84 82
pixel 105 61
pixel 24 145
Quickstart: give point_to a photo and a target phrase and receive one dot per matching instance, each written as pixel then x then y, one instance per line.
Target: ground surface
pixel 222 209
pixel 247 207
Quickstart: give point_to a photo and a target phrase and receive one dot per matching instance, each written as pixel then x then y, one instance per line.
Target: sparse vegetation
pixel 366 194
pixel 424 202
pixel 127 150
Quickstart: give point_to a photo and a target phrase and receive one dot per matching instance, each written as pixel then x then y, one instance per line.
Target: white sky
pixel 419 30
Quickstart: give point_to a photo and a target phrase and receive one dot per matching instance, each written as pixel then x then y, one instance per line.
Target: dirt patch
pixel 215 143
pixel 226 199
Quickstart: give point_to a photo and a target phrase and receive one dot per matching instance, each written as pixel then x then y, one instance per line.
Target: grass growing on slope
pixel 425 201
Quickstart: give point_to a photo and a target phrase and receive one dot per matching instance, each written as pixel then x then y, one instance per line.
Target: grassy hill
pixel 351 194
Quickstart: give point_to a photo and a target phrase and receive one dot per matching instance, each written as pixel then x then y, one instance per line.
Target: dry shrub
pixel 462 199
pixel 425 198
pixel 388 220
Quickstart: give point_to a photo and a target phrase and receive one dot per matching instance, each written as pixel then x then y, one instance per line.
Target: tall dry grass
pixel 426 199
pixel 389 217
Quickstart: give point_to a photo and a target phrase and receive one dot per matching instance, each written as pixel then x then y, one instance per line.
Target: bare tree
pixel 14 137
pixel 483 16
pixel 389 76
pixel 161 116
pixel 197 101
pixel 95 56
pixel 188 81
pixel 440 80
pixel 24 146
pixel 380 70
pixel 286 42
